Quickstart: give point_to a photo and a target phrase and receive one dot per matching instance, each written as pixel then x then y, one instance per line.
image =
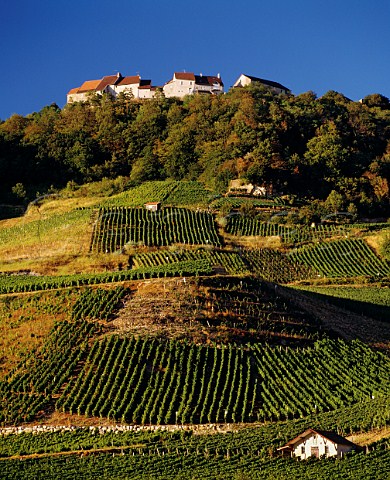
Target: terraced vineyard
pixel 176 460
pixel 236 202
pixel 230 262
pixel 147 381
pixel 245 226
pixel 26 232
pixel 140 380
pixel 276 266
pixel 116 227
pixel 30 283
pixel 173 193
pixel 342 258
pixel 373 301
pixel 27 392
pixel 254 311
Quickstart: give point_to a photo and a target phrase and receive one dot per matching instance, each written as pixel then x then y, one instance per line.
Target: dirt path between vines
pixel 81 453
pixel 347 324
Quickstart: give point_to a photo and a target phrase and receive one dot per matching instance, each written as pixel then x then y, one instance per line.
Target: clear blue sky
pixel 48 47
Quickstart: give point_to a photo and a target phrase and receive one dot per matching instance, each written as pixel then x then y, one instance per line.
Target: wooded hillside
pixel 302 144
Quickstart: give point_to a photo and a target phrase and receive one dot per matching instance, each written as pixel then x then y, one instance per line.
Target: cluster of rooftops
pixel 181 84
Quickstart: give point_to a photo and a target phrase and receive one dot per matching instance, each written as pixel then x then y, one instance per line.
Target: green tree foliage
pixel 302 145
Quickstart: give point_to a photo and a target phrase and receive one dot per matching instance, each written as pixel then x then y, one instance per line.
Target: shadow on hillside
pixel 376 312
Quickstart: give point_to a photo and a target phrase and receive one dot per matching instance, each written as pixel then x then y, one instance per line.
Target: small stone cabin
pixel 317 443
pixel 153 206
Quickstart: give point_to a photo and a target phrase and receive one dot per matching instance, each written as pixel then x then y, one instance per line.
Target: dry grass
pixel 59 418
pixel 25 322
pixel 63 205
pixel 374 241
pixel 367 438
pixel 274 242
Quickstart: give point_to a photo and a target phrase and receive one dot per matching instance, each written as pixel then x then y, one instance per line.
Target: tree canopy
pixel 303 145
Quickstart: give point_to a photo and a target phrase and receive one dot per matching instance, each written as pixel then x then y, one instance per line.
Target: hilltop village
pixel 180 85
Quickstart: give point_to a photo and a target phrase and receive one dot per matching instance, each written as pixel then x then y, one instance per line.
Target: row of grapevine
pixel 246 226
pixel 155 191
pixel 275 266
pixel 119 226
pixel 253 307
pixel 363 416
pixel 342 258
pixel 29 389
pixel 236 202
pixel 174 193
pixel 222 384
pixel 97 303
pixel 231 262
pixel 27 283
pixel 179 462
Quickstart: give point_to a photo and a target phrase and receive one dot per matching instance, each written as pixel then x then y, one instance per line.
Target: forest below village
pixel 303 145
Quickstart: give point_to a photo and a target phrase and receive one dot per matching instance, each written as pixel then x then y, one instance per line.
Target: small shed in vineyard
pixel 318 443
pixel 153 206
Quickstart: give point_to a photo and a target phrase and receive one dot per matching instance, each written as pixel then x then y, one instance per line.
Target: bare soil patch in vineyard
pixel 253 242
pixel 188 309
pixel 162 308
pixel 345 323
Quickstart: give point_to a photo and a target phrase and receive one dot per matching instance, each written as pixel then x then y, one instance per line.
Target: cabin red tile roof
pixel 89 86
pixel 331 436
pixel 129 80
pixel 109 80
pixel 73 91
pixel 184 76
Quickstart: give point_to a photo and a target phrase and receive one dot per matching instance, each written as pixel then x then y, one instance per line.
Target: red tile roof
pixel 184 76
pixel 109 80
pixel 73 90
pixel 331 436
pixel 89 86
pixel 129 80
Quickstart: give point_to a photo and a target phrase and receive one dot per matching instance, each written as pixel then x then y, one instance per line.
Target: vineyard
pixel 241 225
pixel 175 461
pixel 257 438
pixel 186 325
pixel 170 192
pixel 230 262
pixel 30 283
pixel 147 381
pixel 237 202
pixel 26 232
pixel 373 301
pixel 117 227
pixel 256 309
pixel 215 310
pixel 342 258
pixel 143 381
pixel 276 266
